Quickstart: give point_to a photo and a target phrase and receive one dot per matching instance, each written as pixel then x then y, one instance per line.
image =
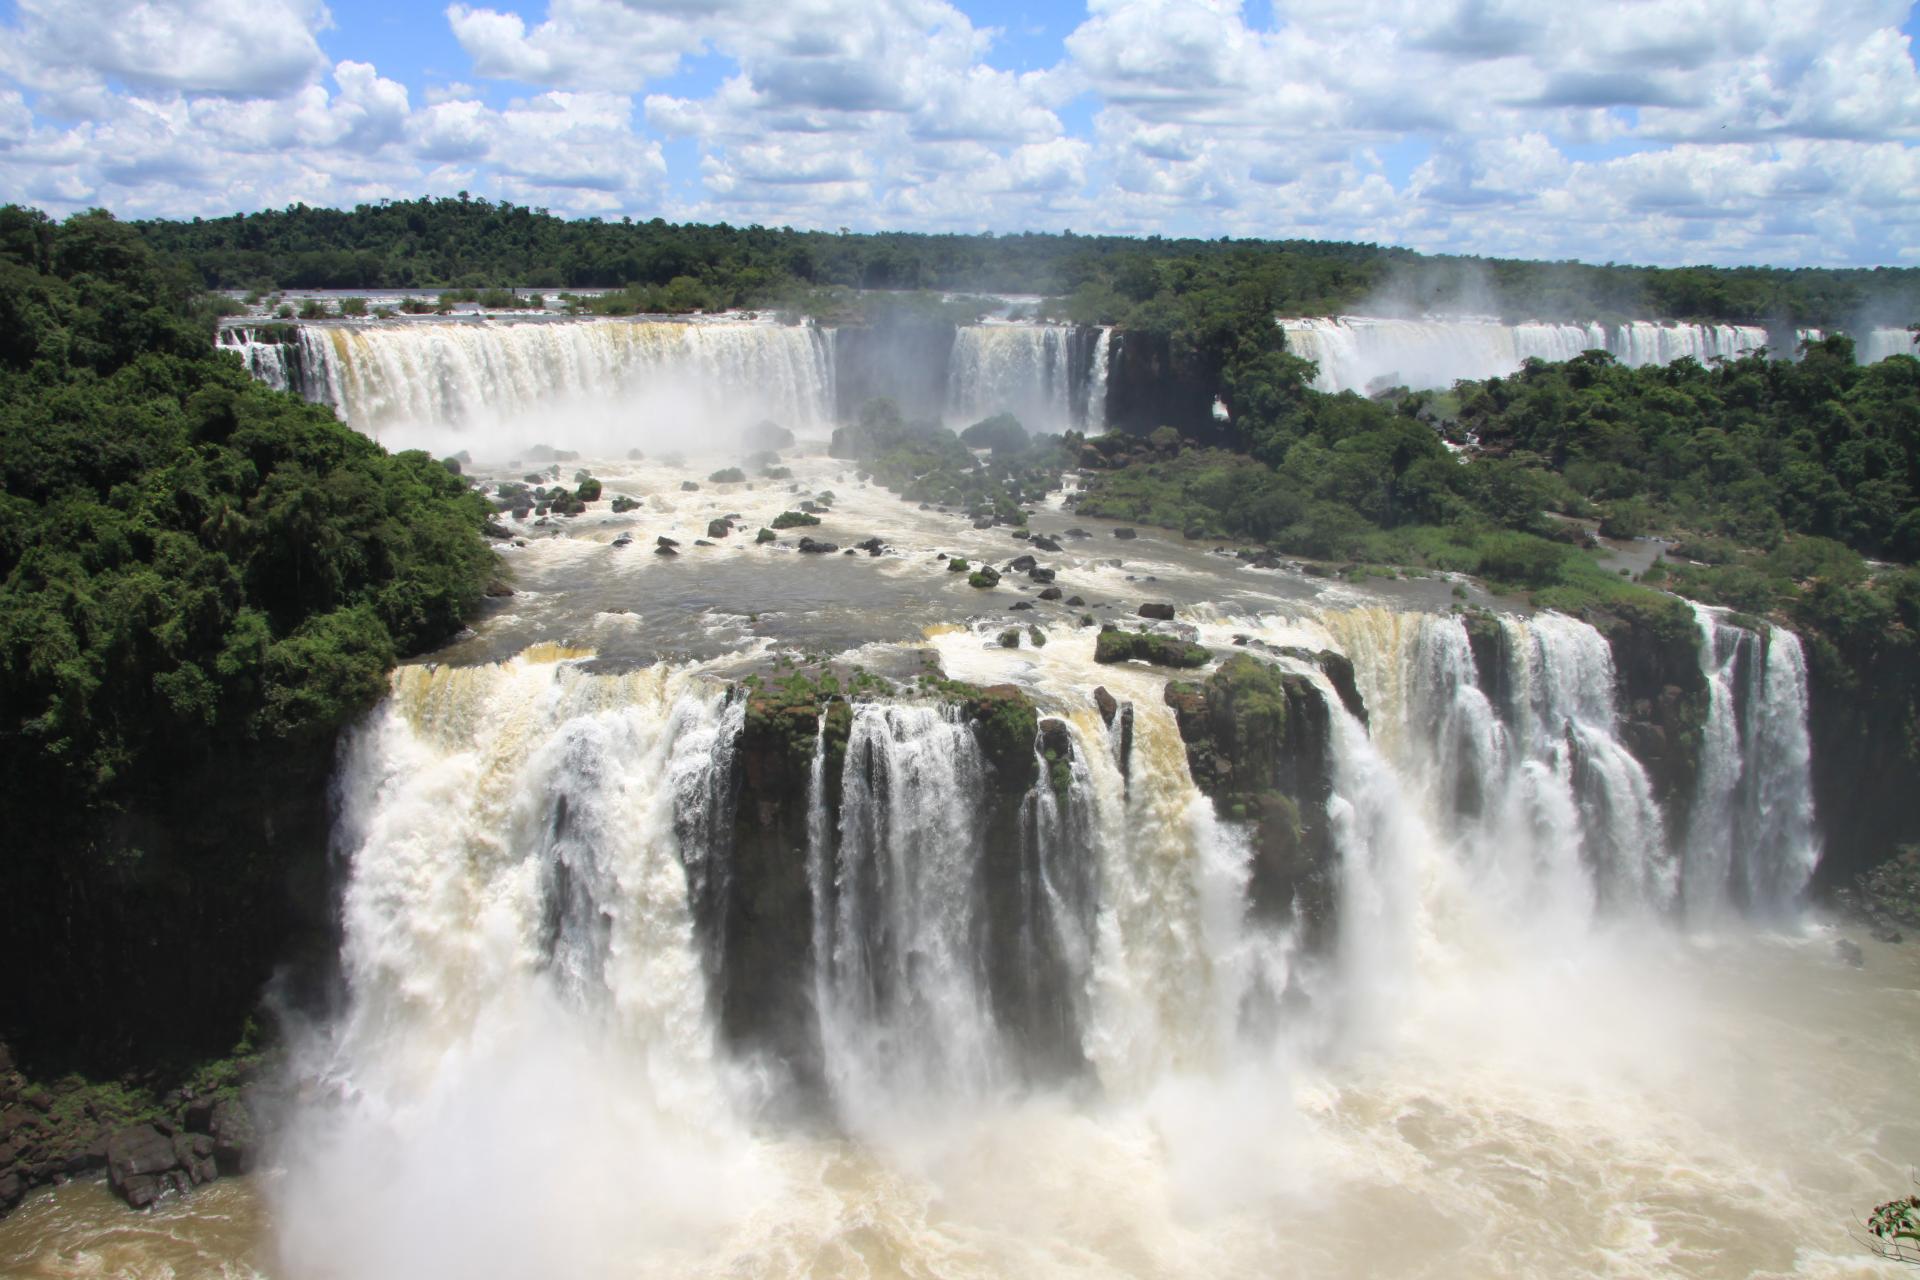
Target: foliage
pixel 1115 645
pixel 655 266
pixel 189 561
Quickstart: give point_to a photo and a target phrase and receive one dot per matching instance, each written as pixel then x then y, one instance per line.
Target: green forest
pixel 663 267
pixel 190 563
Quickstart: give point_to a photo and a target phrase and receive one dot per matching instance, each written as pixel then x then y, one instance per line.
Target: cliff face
pixel 1148 388
pixel 1259 743
pixel 156 929
pixel 1865 730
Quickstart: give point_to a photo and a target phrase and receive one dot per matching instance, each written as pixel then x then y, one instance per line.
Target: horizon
pixel 1643 132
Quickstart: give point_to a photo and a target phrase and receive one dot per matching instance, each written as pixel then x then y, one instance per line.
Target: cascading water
pixel 1874 345
pixel 1356 353
pixel 1030 371
pixel 545 878
pixel 609 385
pixel 1752 840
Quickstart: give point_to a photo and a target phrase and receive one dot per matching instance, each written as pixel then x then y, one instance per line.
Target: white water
pixel 603 386
pixel 1874 345
pixel 1753 840
pixel 1359 353
pixel 1022 369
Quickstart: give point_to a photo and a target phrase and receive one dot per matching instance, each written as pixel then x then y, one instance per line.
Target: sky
pixel 1652 131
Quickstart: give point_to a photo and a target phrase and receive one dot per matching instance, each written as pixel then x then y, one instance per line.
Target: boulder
pixel 664 541
pixel 1044 543
pixel 718 528
pixel 1076 533
pixel 1020 564
pixel 194 1153
pixel 1021 604
pixel 984 577
pixel 664 550
pixel 1039 574
pixel 624 540
pixel 137 1159
pixel 688 486
pixel 236 1138
pixel 1125 534
pixel 1051 593
pixel 1107 704
pixel 812 548
pixel 1115 645
pixel 872 546
pixel 1076 602
pixel 1158 611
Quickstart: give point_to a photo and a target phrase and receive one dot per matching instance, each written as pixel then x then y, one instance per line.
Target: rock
pixel 851 551
pixel 236 1138
pixel 494 529
pixel 1849 952
pixel 688 486
pixel 1010 638
pixel 701 542
pixel 1045 543
pixel 135 1158
pixel 498 590
pixel 1021 535
pixel 718 528
pixel 812 548
pixel 1020 564
pixel 957 565
pixel 872 546
pixel 624 540
pixel 1156 610
pixel 1106 703
pixel 1051 593
pixel 767 435
pixel 1115 645
pixel 984 577
pixel 1125 534
pixel 11 1191
pixel 1076 602
pixel 1884 930
pixel 1076 533
pixel 622 504
pixel 665 551
pixel 1021 604
pixel 194 1153
pixel 983 524
pixel 764 536
pixel 1039 574
pixel 664 541
pixel 1036 635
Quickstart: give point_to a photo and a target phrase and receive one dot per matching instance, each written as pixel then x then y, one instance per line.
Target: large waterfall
pixel 569 956
pixel 1356 353
pixel 606 386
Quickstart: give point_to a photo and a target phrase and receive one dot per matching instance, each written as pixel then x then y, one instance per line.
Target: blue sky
pixel 1637 130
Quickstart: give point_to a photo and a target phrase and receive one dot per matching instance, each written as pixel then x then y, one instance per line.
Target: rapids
pixel 1556 1027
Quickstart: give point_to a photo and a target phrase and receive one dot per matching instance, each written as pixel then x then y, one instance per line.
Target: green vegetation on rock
pixel 1115 645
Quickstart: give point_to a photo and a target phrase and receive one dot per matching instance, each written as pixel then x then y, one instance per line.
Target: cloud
pixel 1654 130
pixel 261 48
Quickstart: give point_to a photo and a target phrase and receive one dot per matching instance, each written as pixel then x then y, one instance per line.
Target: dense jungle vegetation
pixel 190 564
pixel 662 267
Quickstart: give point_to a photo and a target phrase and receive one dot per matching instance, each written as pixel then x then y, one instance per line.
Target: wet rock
pixel 983 524
pixel 12 1190
pixel 1115 645
pixel 1849 952
pixel 1021 604
pixel 664 541
pixel 1010 638
pixel 236 1137
pixel 984 577
pixel 1021 534
pixel 701 542
pixel 494 529
pixel 765 536
pixel 1020 564
pixel 809 547
pixel 193 1152
pixel 136 1157
pixel 1125 534
pixel 624 540
pixel 665 551
pixel 1106 703
pixel 1076 602
pixel 718 528
pixel 1043 543
pixel 1076 533
pixel 872 546
pixel 1039 574
pixel 1156 610
pixel 688 486
pixel 622 504
pixel 1051 593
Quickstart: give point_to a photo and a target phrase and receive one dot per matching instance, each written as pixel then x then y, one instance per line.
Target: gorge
pixel 748 892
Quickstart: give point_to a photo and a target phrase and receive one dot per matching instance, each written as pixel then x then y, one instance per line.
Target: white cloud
pixel 1657 130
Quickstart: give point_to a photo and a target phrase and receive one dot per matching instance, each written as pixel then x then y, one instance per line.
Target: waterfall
pixel 1359 353
pixel 608 385
pixel 1752 840
pixel 1027 370
pixel 1096 415
pixel 1874 345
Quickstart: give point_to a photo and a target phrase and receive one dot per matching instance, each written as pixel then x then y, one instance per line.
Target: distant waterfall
pixel 1048 376
pixel 608 385
pixel 1874 345
pixel 1752 840
pixel 1357 353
